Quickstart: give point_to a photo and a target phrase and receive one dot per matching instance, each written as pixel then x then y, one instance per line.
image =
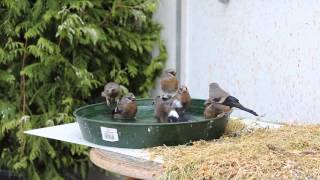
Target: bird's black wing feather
pixel 234 102
pixel 231 101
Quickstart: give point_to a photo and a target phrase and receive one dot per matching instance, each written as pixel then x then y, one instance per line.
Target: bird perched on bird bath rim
pixel 111 92
pixel 218 95
pixel 169 82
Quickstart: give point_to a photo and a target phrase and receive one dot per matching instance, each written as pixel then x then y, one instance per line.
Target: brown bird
pixel 184 99
pixel 218 95
pixel 164 110
pixel 111 92
pixel 169 83
pixel 126 107
pixel 214 109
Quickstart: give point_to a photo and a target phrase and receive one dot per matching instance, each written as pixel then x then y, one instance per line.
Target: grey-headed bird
pixel 111 92
pixel 217 94
pixel 169 82
pixel 126 107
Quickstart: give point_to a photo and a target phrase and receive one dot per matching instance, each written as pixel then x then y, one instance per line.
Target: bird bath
pixel 98 126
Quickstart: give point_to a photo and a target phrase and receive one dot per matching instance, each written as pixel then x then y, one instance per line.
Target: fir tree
pixel 56 55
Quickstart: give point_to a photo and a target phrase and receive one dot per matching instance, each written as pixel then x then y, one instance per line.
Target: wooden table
pixel 132 167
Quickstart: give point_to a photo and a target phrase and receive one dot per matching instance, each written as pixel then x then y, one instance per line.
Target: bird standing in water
pixel 184 99
pixel 126 107
pixel 218 95
pixel 164 110
pixel 111 92
pixel 169 82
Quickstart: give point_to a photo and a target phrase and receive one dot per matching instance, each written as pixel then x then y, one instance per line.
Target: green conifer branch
pixel 23 80
pixel 55 56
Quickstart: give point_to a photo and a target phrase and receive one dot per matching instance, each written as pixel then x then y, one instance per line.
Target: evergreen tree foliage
pixel 56 55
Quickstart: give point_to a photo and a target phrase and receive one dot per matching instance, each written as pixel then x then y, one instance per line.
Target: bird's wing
pixel 232 99
pixel 234 102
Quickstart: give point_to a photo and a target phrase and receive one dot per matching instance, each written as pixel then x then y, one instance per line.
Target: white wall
pixel 265 52
pixel 166 15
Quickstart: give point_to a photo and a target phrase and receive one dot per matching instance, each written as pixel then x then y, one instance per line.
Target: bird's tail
pixel 238 105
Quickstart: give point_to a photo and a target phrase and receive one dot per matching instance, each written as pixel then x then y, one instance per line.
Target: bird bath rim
pixel 76 114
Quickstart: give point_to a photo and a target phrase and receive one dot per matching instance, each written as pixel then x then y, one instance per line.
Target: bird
pixel 184 98
pixel 164 109
pixel 169 82
pixel 126 107
pixel 214 109
pixel 218 95
pixel 111 92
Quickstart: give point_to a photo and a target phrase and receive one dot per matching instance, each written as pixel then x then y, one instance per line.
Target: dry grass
pixel 289 152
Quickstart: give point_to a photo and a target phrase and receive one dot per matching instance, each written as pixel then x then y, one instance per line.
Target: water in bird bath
pixel 145 114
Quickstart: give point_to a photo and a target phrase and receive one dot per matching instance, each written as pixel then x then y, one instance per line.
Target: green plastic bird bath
pixel 98 126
